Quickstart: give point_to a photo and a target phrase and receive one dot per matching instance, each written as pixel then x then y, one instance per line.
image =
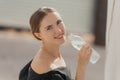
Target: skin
pixel 52 34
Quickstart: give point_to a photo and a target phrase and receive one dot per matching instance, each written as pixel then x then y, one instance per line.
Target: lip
pixel 59 36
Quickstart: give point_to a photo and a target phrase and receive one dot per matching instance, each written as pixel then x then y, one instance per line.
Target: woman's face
pixel 52 29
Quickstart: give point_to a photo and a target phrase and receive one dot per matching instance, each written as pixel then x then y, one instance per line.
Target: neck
pixel 52 50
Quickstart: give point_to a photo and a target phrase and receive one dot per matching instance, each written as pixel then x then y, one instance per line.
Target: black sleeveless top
pixel 60 73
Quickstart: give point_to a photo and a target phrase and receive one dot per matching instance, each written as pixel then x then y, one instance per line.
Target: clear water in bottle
pixel 77 42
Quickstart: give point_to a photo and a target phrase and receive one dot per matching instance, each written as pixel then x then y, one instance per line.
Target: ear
pixel 37 35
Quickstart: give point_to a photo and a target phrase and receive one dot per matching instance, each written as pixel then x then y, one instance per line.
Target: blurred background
pixel 86 18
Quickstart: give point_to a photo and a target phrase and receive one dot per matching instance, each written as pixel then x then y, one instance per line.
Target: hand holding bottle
pixel 77 42
pixel 84 55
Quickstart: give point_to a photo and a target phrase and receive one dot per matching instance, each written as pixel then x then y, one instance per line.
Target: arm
pixel 80 72
pixel 83 60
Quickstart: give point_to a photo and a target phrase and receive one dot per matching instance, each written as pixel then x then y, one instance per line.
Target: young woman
pixel 48 64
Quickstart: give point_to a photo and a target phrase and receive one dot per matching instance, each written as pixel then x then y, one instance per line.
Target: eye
pixel 49 27
pixel 59 22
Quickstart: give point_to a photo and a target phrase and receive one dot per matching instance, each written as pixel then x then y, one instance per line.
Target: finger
pixel 86 48
pixel 89 53
pixel 83 50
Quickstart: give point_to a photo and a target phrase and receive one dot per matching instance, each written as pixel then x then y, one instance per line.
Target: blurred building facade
pixel 80 16
pixel 77 14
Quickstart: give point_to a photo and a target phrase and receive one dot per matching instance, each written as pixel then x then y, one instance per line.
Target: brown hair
pixel 37 17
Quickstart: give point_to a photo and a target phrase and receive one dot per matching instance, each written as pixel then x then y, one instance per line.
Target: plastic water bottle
pixel 77 42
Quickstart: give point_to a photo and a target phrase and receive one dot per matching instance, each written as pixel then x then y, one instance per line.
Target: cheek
pixel 48 35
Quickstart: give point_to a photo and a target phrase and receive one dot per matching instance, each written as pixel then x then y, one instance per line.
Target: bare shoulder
pixel 40 65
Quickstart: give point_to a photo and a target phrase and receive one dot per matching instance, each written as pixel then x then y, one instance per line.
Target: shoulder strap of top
pixel 24 72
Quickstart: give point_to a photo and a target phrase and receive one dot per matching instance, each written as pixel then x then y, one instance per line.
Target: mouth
pixel 59 36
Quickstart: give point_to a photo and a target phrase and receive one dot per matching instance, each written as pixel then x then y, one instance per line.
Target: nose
pixel 58 30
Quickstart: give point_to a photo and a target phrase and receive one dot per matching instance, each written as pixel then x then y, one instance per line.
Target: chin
pixel 63 42
pixel 60 41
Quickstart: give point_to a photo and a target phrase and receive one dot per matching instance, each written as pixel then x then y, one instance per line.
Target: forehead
pixel 50 18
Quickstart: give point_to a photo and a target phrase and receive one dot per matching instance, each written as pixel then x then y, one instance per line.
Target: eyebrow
pixel 56 22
